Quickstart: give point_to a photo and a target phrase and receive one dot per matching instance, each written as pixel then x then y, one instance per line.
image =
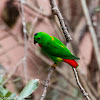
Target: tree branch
pixel 92 31
pixel 36 9
pixel 25 38
pixel 79 84
pixel 56 11
pixel 61 90
pixel 13 71
pixel 46 83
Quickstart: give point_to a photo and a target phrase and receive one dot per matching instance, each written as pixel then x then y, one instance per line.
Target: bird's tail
pixel 71 62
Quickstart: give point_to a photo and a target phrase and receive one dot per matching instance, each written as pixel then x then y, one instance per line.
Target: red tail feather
pixel 71 62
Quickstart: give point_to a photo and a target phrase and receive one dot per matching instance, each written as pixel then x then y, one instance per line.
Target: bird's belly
pixel 56 59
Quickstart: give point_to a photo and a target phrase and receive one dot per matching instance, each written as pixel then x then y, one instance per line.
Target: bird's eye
pixel 39 38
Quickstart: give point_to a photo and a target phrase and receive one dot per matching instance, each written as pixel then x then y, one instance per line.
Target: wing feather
pixel 56 48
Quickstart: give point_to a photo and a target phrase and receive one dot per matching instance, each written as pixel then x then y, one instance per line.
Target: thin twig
pixel 34 22
pixel 56 11
pixel 13 71
pixel 87 88
pixel 25 38
pixel 92 31
pixel 79 84
pixel 46 83
pixel 36 9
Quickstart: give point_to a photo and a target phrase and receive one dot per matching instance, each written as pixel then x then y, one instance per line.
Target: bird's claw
pixel 54 66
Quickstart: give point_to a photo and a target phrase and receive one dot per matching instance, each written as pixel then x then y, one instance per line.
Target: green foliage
pixel 29 88
pixel 1 79
pixel 27 91
pixel 6 95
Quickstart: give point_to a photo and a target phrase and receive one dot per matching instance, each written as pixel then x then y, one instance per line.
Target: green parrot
pixel 55 49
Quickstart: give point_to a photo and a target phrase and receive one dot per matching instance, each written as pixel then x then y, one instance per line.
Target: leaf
pixel 8 94
pixel 1 79
pixel 3 91
pixel 29 88
pixel 12 96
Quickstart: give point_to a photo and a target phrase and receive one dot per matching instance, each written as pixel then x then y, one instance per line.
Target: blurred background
pixel 21 60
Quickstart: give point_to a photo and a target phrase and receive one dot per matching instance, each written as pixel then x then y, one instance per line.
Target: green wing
pixel 56 48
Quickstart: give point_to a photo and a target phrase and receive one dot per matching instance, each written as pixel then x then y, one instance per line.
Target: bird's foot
pixel 54 66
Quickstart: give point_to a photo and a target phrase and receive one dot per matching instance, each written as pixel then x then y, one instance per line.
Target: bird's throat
pixel 40 45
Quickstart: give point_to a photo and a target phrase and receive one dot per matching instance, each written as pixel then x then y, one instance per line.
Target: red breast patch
pixel 40 45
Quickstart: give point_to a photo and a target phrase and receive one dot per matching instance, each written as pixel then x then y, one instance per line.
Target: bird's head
pixel 41 38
